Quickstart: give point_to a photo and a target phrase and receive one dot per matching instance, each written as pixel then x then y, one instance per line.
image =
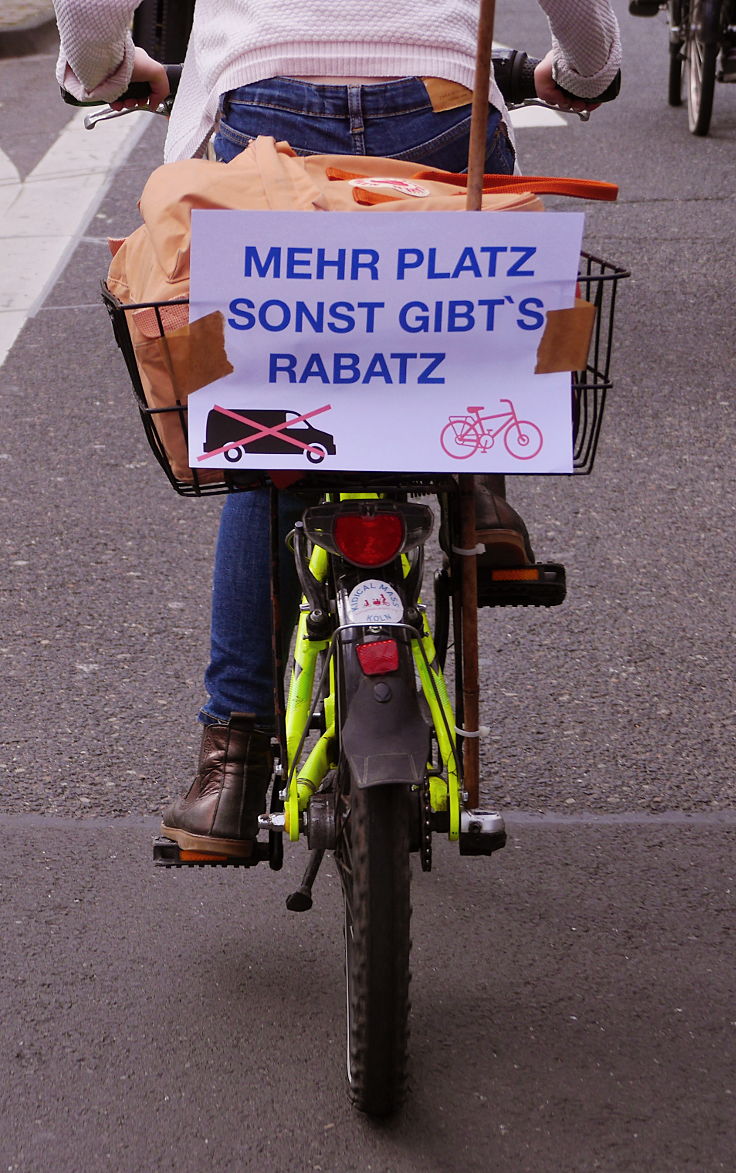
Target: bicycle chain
pixel 425 849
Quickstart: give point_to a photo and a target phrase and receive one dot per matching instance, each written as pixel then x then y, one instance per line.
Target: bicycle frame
pixel 509 417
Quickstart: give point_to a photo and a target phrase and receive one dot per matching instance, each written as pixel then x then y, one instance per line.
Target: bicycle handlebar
pixel 512 68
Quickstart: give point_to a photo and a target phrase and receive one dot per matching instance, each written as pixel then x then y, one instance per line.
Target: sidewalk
pixel 27 26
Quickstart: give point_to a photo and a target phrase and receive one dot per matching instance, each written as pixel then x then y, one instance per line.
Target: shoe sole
pixel 234 848
pixel 503 547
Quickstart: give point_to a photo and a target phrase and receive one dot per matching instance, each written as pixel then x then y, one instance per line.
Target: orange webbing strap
pixel 367 196
pixel 582 189
pixel 338 173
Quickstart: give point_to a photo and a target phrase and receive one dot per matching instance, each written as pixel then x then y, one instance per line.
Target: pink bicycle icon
pixel 465 435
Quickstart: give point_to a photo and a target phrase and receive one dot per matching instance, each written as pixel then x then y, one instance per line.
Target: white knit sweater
pixel 235 42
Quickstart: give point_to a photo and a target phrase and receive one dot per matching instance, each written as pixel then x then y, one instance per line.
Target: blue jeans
pixel 391 119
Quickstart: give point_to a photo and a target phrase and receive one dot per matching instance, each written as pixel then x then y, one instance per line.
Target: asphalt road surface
pixel 573 999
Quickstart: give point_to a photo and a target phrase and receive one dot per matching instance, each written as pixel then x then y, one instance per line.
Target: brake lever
pixel 91 120
pixel 583 115
pixel 106 112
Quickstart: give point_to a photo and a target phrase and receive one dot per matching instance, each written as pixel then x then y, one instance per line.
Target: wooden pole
pixel 469 580
pixel 471 682
pixel 479 112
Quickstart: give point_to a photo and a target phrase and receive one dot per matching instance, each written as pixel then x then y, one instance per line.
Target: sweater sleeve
pixel 96 47
pixel 586 43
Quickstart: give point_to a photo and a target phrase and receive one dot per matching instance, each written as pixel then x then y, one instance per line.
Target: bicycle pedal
pixel 168 854
pixel 481 832
pixel 541 585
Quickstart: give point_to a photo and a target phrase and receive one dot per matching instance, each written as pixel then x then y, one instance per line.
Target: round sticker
pixel 405 186
pixel 375 601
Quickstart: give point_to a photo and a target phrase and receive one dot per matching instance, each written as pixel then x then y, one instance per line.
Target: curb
pixel 42 37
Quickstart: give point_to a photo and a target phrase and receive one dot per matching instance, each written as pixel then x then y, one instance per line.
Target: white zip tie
pixel 481 731
pixel 479 549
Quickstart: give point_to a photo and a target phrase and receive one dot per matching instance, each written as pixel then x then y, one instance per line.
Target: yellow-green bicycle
pixel 375 756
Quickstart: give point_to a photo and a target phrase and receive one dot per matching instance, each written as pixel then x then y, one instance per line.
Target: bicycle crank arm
pixel 481 832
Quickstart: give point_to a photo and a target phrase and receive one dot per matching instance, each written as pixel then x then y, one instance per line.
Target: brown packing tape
pixel 565 342
pixel 195 354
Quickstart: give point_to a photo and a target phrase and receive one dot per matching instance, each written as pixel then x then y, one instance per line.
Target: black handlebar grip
pixel 514 73
pixel 137 90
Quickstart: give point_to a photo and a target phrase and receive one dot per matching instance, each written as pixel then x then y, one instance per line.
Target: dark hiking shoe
pixel 220 812
pixel 727 64
pixel 500 529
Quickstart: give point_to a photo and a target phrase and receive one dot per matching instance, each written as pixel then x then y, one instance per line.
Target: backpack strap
pixel 581 189
pixel 339 173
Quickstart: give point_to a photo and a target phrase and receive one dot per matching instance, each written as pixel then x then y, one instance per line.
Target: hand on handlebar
pixel 146 71
pixel 548 90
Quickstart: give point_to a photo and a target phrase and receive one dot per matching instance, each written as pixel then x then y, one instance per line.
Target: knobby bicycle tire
pixel 373 858
pixel 700 63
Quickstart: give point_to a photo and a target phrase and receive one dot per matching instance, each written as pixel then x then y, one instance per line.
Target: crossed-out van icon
pixel 265 431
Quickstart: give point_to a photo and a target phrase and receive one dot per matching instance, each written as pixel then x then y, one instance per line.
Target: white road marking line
pixel 535 116
pixel 44 217
pixel 8 170
pixel 9 182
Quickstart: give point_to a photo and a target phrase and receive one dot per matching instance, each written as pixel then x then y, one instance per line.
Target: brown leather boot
pixel 499 527
pixel 220 812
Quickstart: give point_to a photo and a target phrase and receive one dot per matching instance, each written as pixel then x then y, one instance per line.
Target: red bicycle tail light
pixel 379 657
pixel 369 540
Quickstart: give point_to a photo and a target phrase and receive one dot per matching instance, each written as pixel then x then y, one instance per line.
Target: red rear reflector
pixel 201 857
pixel 379 657
pixel 369 541
pixel 527 574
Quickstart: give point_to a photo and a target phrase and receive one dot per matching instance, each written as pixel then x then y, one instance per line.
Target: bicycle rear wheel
pixel 372 854
pixel 700 63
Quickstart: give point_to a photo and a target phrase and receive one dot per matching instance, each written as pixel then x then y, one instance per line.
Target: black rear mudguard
pixel 384 736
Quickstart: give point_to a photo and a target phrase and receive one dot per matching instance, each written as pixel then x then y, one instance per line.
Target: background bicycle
pixel 702 42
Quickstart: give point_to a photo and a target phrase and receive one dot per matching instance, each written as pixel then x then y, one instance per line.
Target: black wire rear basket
pixel 597 284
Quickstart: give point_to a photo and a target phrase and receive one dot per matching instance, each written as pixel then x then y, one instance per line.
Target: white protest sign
pixel 390 342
